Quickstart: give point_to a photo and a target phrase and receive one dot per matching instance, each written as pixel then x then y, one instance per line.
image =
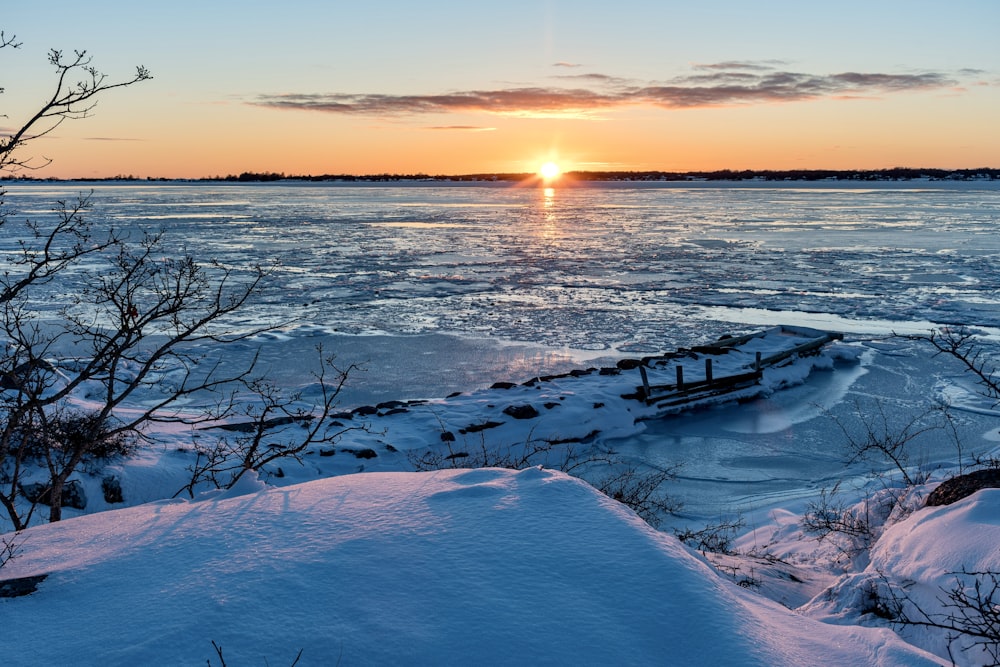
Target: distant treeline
pixel 894 174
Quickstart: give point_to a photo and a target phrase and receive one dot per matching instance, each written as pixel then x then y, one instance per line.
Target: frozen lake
pixel 599 268
pixel 440 288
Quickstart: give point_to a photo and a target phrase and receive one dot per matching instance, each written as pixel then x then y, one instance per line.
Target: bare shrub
pixel 880 438
pixel 854 522
pixel 968 614
pixel 714 537
pixel 962 343
pixel 277 428
pixel 9 546
pixel 222 658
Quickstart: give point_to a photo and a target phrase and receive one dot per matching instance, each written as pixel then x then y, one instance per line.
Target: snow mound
pixel 919 560
pixel 481 566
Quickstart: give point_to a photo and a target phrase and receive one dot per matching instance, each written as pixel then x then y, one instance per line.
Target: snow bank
pixel 450 567
pixel 922 558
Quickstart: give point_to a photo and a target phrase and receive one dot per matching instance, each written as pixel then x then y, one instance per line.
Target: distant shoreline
pixel 724 175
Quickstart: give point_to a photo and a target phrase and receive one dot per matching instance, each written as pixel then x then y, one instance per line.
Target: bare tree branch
pixel 962 344
pixel 70 100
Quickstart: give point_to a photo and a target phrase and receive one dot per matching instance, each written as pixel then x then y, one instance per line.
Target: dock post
pixel 756 365
pixel 645 380
pixel 680 377
pixel 708 370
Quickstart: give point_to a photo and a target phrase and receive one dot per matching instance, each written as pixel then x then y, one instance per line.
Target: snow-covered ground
pixel 496 566
pixel 453 567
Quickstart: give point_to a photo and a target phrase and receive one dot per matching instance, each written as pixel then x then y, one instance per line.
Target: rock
pixel 251 427
pixel 447 436
pixel 476 428
pixel 503 385
pixel 13 588
pixel 954 489
pixel 365 410
pixel 111 486
pixel 628 364
pixel 366 453
pixel 73 494
pixel 14 379
pixel 521 411
pixel 584 439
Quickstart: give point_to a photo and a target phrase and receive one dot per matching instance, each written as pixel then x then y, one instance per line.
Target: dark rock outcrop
pixel 111 486
pixel 503 385
pixel 476 428
pixel 13 588
pixel 521 411
pixel 73 494
pixel 954 489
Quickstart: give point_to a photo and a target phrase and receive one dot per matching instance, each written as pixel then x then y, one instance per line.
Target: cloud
pixel 707 85
pixel 461 128
pixel 602 79
pixel 563 63
pixel 753 65
pixel 502 101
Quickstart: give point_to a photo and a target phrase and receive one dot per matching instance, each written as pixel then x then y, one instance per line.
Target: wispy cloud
pixel 594 78
pixel 753 65
pixel 461 128
pixel 563 63
pixel 707 85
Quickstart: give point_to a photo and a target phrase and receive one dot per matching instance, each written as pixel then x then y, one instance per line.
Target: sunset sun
pixel 549 171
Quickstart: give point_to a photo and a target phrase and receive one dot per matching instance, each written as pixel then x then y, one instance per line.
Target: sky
pixel 329 87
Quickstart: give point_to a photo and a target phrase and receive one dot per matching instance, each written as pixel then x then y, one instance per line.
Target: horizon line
pixel 592 175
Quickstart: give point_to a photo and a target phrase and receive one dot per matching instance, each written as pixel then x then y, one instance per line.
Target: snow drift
pixel 451 567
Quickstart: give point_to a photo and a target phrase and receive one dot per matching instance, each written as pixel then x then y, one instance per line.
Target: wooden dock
pixel 729 365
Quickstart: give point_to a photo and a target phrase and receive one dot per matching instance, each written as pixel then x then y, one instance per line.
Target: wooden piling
pixel 645 380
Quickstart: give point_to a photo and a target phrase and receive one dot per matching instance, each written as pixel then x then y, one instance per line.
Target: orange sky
pixel 323 88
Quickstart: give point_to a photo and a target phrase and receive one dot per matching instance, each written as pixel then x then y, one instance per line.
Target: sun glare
pixel 549 171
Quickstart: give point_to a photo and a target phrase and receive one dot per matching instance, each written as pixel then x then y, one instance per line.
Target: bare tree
pixel 141 319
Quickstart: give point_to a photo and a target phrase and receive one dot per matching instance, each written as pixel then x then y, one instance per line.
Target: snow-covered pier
pixel 728 365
